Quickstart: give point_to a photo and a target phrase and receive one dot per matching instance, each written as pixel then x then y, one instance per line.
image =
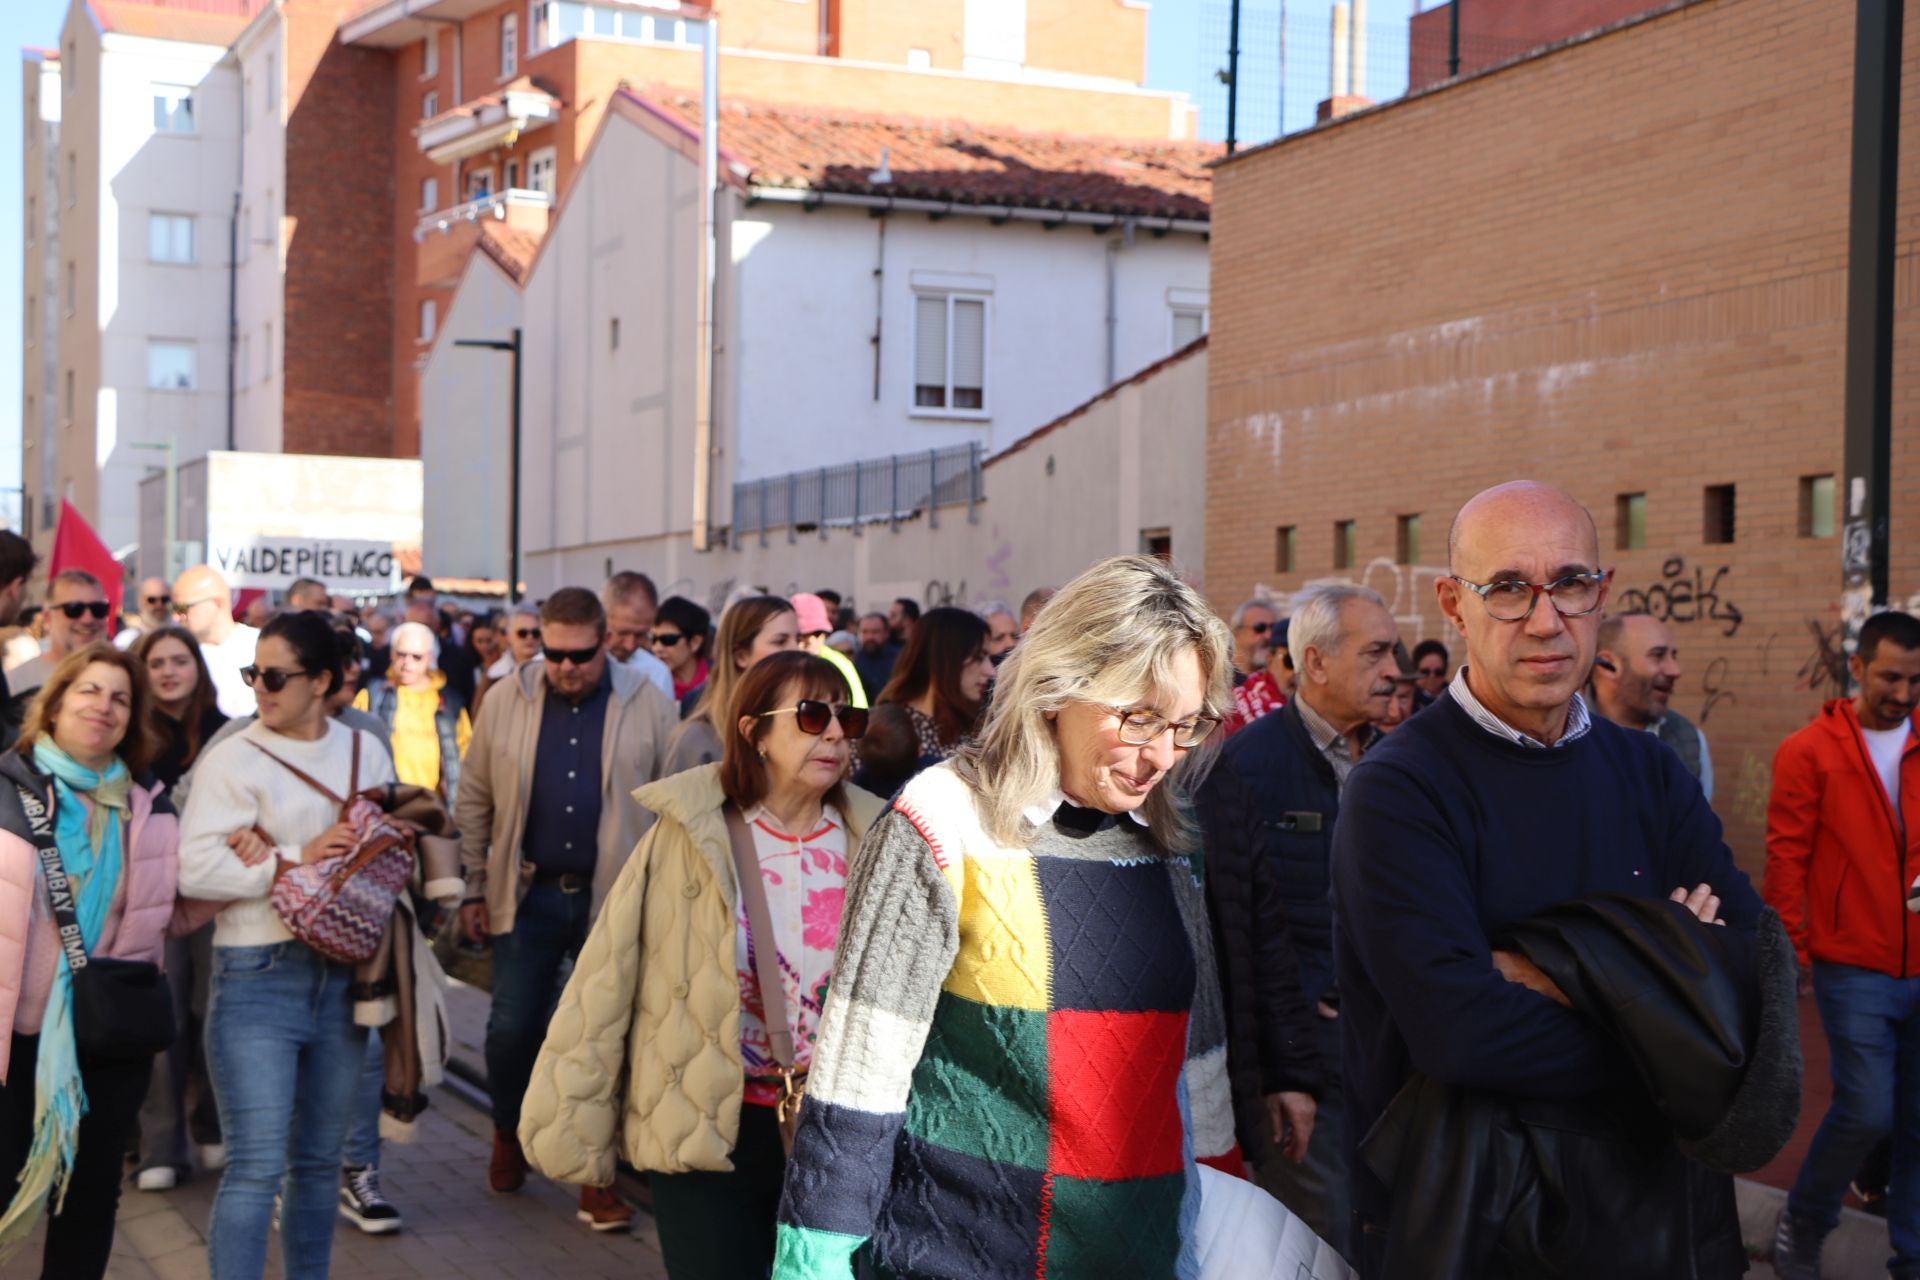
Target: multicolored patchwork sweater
pixel 1022 1056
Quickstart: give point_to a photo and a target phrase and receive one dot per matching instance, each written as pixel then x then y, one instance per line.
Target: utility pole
pixel 512 348
pixel 1233 76
pixel 1869 359
pixel 1453 38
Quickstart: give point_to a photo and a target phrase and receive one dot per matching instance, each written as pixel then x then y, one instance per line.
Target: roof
pixel 214 22
pixel 837 152
pixel 476 107
pixel 511 247
pixel 1198 345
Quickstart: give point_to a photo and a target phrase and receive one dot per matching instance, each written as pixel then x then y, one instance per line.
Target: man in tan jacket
pixel 547 819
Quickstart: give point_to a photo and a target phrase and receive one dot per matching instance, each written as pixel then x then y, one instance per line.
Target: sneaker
pixel 162 1177
pixel 213 1156
pixel 507 1171
pixel 1796 1249
pixel 361 1202
pixel 602 1210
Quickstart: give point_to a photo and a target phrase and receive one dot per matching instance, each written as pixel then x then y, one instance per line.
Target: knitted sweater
pixel 236 786
pixel 1022 1056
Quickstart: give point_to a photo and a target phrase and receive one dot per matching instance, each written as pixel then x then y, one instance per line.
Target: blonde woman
pixel 750 630
pixel 1022 1054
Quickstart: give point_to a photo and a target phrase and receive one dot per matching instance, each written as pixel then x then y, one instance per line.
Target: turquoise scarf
pixel 90 851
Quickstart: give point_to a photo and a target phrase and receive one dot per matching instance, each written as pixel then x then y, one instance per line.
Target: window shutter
pixel 969 353
pixel 930 352
pixel 1186 328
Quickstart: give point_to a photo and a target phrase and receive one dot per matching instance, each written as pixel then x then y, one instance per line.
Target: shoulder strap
pixel 59 888
pixel 353 774
pixel 753 892
pixel 306 777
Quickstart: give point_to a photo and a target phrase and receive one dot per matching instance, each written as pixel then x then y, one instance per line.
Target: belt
pixel 565 881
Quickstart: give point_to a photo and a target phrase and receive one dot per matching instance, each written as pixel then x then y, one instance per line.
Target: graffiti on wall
pixel 1407 589
pixel 1681 597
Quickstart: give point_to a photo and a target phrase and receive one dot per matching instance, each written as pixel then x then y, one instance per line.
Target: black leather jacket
pixel 1632 1185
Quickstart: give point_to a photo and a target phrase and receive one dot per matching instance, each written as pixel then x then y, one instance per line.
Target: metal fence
pixel 853 494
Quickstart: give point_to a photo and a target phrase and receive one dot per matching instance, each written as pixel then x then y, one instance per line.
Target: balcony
pixel 447 238
pixel 495 120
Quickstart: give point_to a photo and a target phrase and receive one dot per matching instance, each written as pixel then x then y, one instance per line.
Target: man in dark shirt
pixel 876 653
pixel 1505 797
pixel 16 566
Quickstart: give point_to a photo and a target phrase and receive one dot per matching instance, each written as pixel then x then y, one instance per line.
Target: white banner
pixel 344 565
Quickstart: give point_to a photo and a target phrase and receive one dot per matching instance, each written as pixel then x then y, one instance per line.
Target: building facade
pixel 40 293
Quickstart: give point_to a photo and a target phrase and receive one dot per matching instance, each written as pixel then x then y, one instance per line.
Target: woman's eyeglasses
pixel 268 677
pixel 77 609
pixel 812 716
pixel 667 639
pixel 578 657
pixel 1139 727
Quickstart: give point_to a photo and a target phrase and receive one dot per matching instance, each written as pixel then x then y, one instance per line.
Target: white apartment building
pixel 258 56
pixel 39 310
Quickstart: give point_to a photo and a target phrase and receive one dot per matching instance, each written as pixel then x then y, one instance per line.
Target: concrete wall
pixel 259 367
pixel 464 435
pixel 1635 284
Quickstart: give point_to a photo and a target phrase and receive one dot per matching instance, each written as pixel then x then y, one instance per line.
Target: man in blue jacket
pixel 1506 796
pixel 1291 766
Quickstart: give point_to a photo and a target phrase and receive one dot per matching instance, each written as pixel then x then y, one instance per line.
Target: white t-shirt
pixel 653 669
pixel 224 661
pixel 1886 746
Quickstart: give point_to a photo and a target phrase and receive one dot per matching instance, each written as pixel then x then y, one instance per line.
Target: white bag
pixel 1245 1234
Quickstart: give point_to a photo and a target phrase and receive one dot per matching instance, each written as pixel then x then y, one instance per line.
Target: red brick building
pixel 1495 31
pixel 1620 267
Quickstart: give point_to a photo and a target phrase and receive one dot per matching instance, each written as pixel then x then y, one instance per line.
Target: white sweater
pixel 235 786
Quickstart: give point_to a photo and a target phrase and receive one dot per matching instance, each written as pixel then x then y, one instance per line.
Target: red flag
pixel 77 546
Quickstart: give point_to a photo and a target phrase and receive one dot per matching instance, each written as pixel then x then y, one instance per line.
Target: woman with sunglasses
pixel 1023 1053
pixel 750 630
pixel 679 639
pixel 662 1050
pixel 282 1044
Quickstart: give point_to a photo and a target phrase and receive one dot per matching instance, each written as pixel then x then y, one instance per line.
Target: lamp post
pixel 513 457
pixel 168 570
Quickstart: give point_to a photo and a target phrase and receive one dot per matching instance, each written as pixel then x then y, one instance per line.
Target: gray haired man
pixel 1253 623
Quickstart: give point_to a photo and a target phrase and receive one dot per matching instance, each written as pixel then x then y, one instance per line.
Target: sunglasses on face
pixel 271 679
pixel 523 633
pixel 578 657
pixel 1433 671
pixel 156 599
pixel 667 639
pixel 1259 628
pixel 77 609
pixel 182 608
pixel 813 716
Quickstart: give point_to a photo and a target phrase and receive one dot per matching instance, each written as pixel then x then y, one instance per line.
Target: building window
pixel 429 318
pixel 479 183
pixel 429 105
pixel 429 194
pixel 1406 540
pixel 540 31
pixel 509 45
pixel 429 56
pixel 1283 549
pixel 1346 543
pixel 1816 506
pixel 950 352
pixel 1189 325
pixel 512 182
pixel 170 366
pixel 172 109
pixel 1157 543
pixel 613 334
pixel 540 172
pixel 919 59
pixel 1718 516
pixel 170 238
pixel 1630 522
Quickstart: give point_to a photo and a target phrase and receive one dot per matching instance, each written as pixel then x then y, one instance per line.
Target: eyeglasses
pixel 273 680
pixel 812 716
pixel 408 657
pixel 524 633
pixel 156 599
pixel 1259 628
pixel 182 608
pixel 578 657
pixel 667 639
pixel 1139 727
pixel 1432 671
pixel 77 609
pixel 1510 600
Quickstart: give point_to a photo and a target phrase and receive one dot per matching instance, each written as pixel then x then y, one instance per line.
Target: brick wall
pixel 1620 267
pixel 1492 31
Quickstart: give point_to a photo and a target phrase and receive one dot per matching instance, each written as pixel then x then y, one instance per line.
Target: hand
pixel 1806 982
pixel 335 840
pixel 1516 968
pixel 1292 1117
pixel 250 847
pixel 1703 902
pixel 473 922
pixel 1325 1010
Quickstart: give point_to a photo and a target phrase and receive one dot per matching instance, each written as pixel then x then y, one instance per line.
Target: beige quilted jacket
pixel 644 1047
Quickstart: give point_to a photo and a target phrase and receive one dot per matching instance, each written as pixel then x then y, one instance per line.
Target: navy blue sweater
pixel 1447 834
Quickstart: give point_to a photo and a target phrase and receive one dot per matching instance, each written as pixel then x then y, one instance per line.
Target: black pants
pixel 80 1237
pixel 719 1226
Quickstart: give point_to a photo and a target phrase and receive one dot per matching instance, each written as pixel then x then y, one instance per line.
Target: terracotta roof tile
pixel 835 151
pixel 511 247
pixel 215 22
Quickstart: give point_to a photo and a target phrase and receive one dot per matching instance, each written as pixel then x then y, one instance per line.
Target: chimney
pixel 1349 54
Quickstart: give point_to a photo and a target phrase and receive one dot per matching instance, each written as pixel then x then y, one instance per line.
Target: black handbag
pixel 122 1009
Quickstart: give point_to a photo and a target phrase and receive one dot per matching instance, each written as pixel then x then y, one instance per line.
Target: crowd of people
pixel 972 942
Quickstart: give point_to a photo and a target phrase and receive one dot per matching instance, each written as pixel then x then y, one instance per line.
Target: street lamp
pixel 513 457
pixel 168 570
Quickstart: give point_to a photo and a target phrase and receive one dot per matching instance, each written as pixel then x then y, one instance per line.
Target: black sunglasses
pixel 578 657
pixel 76 609
pixel 1259 628
pixel 524 633
pixel 157 599
pixel 667 639
pixel 274 680
pixel 813 716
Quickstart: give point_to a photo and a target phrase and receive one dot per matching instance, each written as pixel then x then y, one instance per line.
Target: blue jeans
pixel 530 966
pixel 285 1056
pixel 363 1131
pixel 1872 1023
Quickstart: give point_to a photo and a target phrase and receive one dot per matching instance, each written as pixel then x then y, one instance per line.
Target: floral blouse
pixel 805 879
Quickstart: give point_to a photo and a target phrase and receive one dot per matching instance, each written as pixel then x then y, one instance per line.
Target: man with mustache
pixel 1506 797
pixel 1272 800
pixel 1843 832
pixel 1634 671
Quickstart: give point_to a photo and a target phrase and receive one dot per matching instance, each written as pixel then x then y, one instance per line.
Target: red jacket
pixel 1839 860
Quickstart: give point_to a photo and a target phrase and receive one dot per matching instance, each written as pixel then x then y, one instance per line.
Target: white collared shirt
pixel 1041 814
pixel 1579 720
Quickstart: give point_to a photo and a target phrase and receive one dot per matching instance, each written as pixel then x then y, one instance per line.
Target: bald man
pixel 1634 672
pixel 203 603
pixel 1505 797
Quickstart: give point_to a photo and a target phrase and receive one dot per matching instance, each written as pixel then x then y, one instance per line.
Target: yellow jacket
pixel 642 1056
pixel 416 736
